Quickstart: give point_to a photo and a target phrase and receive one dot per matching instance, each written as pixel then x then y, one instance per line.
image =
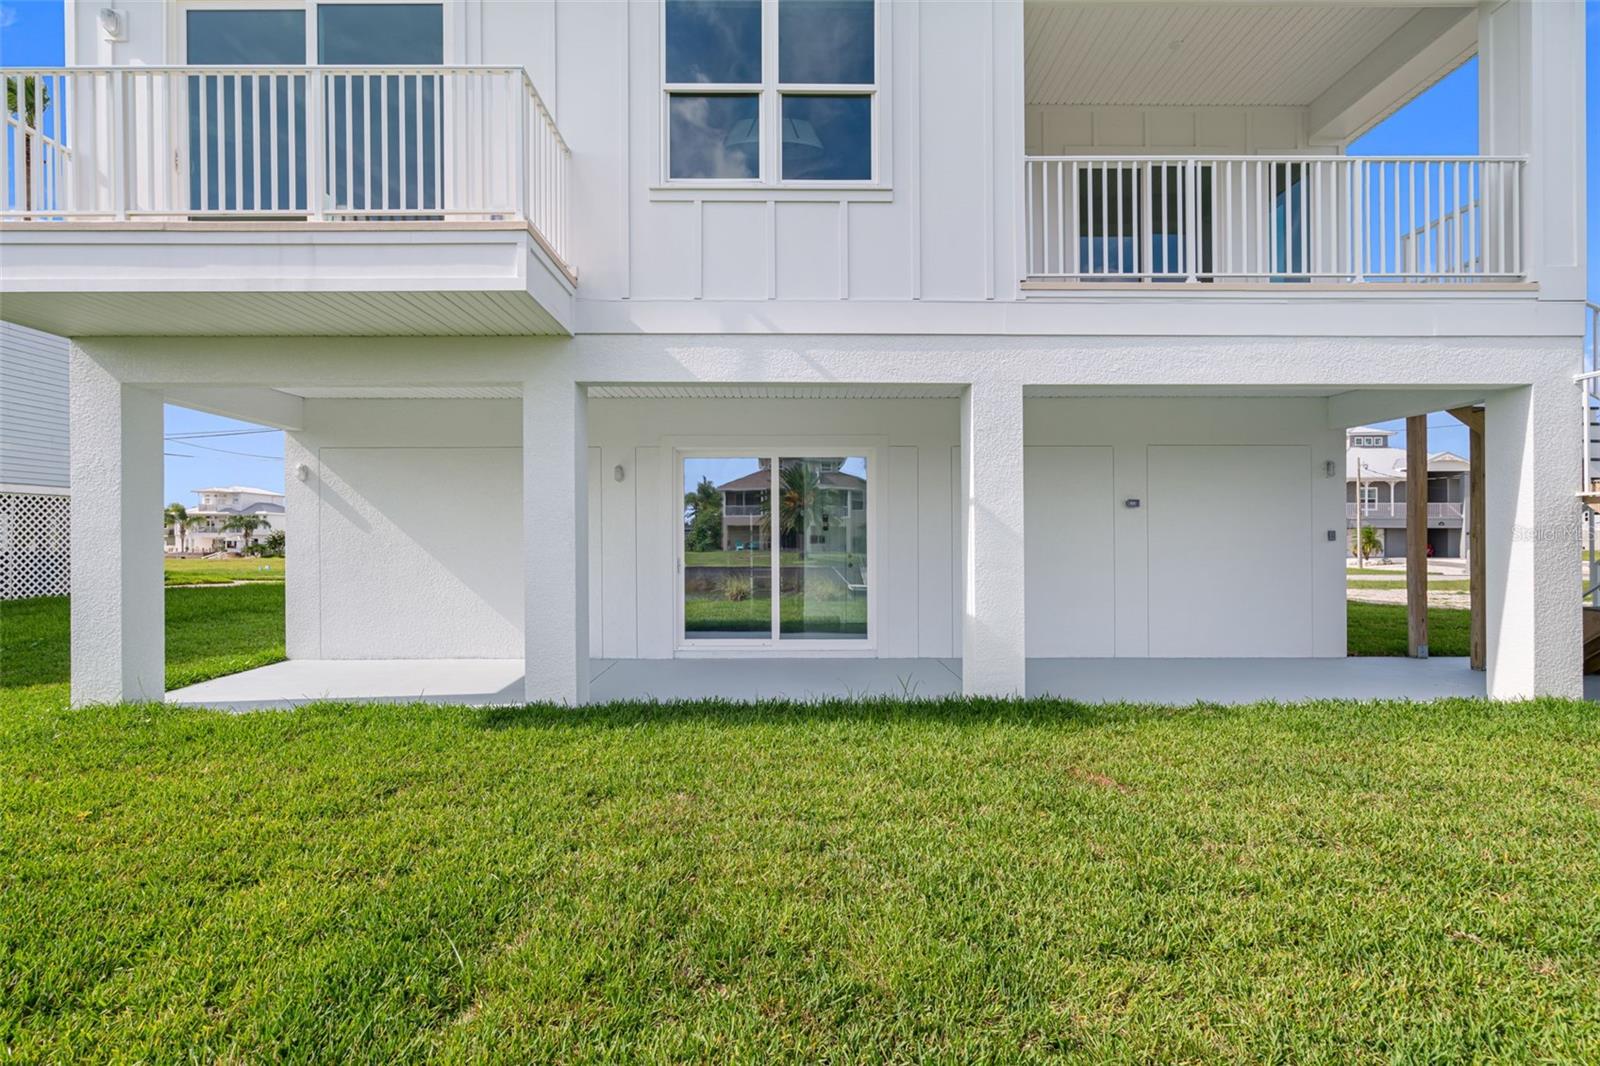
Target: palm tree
pixel 246 524
pixel 27 98
pixel 798 487
pixel 1371 543
pixel 175 518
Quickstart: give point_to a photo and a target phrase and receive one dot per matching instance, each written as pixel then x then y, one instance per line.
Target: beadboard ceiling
pixel 1176 54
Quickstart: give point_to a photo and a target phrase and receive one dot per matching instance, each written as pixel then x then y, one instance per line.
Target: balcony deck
pixel 295 200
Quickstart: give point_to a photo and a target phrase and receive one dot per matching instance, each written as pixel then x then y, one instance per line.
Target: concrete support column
pixel 555 538
pixel 1534 622
pixel 993 648
pixel 118 643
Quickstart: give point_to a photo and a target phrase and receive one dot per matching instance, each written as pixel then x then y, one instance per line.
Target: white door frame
pixel 682 448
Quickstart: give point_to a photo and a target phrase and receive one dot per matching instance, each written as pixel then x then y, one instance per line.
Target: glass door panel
pixel 385 131
pixel 247 132
pixel 822 522
pixel 727 548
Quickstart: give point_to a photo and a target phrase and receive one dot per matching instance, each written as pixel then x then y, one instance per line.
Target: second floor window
pixel 770 91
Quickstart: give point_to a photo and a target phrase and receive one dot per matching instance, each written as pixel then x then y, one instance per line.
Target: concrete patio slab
pixel 473 682
pixel 483 682
pixel 1232 681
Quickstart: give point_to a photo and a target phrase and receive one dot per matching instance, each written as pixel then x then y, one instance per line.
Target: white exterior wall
pixel 633 609
pixel 1227 553
pixel 404 539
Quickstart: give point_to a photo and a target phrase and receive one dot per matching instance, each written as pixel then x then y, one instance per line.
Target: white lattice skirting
pixel 35 552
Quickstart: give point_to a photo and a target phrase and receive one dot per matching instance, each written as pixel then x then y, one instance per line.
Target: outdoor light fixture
pixel 1328 468
pixel 302 471
pixel 111 24
pixel 618 473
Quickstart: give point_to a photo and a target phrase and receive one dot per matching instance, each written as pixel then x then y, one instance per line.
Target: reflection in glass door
pixel 812 510
pixel 727 549
pixel 822 509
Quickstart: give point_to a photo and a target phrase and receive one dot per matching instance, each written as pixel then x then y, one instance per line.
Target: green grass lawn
pixel 763 559
pixel 1434 585
pixel 844 616
pixel 221 571
pixel 1380 629
pixel 944 881
pixel 210 632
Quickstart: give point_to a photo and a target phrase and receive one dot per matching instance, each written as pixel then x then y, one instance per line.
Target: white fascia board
pixel 1428 46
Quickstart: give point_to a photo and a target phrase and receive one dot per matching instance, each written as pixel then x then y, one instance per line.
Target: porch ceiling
pixel 1190 54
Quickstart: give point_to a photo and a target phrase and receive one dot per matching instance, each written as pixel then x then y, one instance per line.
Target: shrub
pixel 737 588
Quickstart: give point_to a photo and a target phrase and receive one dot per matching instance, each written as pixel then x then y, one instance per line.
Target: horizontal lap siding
pixel 33 408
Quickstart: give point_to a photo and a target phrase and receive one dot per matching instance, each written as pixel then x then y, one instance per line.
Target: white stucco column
pixel 1532 438
pixel 555 538
pixel 118 644
pixel 993 651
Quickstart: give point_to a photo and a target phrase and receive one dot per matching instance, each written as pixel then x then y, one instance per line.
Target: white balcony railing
pixel 1436 511
pixel 311 143
pixel 1274 219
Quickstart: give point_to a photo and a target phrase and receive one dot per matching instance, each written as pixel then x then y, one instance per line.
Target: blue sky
pixel 1443 120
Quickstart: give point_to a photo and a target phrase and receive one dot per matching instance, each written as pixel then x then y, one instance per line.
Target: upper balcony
pixel 283 200
pixel 1173 146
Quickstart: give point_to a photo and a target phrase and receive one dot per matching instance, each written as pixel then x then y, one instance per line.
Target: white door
pixel 1231 546
pixel 1070 550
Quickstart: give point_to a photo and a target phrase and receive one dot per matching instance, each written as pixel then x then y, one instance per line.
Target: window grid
pixel 770 92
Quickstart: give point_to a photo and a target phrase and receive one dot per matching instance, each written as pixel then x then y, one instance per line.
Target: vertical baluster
pixel 438 143
pixel 291 98
pixel 1062 228
pixel 207 136
pixel 1475 198
pixel 348 201
pixel 383 140
pixel 1102 242
pixel 238 142
pixel 1519 266
pixel 1459 264
pixel 10 195
pixel 1075 229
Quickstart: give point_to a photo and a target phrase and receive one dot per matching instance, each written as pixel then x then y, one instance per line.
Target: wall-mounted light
pixel 302 471
pixel 113 24
pixel 618 473
pixel 1328 468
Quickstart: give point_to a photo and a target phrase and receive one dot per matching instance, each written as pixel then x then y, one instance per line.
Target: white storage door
pixel 1071 582
pixel 1230 542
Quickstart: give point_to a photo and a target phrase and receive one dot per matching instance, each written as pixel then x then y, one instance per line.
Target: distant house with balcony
pixel 1050 279
pixel 1375 494
pixel 206 529
pixel 841 525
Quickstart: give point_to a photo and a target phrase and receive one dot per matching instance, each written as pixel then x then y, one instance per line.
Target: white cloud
pixel 8 16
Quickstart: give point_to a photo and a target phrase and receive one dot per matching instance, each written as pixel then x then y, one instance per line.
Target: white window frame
pixel 769 93
pixel 869 448
pixel 178 41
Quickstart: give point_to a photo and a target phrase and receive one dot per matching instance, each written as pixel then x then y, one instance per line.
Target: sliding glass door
pixel 774 549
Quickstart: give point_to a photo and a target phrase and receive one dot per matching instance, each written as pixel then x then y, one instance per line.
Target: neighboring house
pixel 35 500
pixel 1087 292
pixel 840 526
pixel 1375 490
pixel 205 532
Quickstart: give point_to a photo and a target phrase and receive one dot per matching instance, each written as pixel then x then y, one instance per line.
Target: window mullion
pixel 771 99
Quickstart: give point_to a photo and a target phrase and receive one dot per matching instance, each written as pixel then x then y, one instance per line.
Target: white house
pixel 1054 277
pixel 1375 494
pixel 35 496
pixel 206 528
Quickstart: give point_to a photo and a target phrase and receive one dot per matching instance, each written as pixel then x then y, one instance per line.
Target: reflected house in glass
pixel 837 521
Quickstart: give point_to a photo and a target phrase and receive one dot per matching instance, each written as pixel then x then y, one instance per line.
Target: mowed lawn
pixel 209 632
pixel 938 881
pixel 949 881
pixel 221 571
